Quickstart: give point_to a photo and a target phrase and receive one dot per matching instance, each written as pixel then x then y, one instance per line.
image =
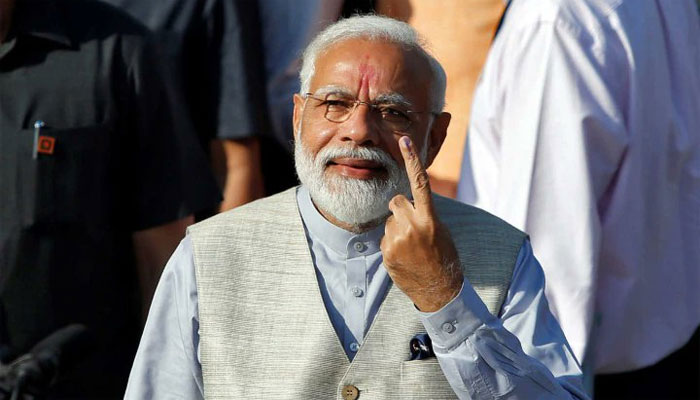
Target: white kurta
pixel 585 133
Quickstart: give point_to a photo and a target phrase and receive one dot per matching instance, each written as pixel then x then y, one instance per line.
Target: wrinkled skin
pixel 417 249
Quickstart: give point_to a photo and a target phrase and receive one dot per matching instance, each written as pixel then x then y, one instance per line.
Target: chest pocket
pixel 73 184
pixel 424 379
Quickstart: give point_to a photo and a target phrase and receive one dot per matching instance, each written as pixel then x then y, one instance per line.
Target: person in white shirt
pixel 585 134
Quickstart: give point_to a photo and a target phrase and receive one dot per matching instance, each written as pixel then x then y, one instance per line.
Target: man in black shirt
pixel 99 175
pixel 214 50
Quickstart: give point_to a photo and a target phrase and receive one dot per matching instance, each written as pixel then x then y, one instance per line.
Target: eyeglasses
pixel 392 117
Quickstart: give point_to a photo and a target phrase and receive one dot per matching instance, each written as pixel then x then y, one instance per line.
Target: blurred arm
pixel 152 249
pixel 236 164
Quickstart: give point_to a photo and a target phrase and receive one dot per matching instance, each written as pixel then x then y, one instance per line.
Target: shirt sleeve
pixel 547 137
pixel 232 83
pixel 521 355
pixel 167 362
pixel 165 171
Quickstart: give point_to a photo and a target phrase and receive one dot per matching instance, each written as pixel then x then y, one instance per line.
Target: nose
pixel 361 128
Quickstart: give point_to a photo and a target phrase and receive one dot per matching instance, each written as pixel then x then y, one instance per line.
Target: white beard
pixel 356 202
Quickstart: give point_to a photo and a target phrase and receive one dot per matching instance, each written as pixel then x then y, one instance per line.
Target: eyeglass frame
pixel 372 106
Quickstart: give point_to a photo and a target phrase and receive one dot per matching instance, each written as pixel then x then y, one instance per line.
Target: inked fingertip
pixel 405 142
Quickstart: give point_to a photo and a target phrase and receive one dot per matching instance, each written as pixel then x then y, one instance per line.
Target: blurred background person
pixel 584 133
pixel 285 28
pixel 460 34
pixel 213 49
pixel 99 175
pixel 238 61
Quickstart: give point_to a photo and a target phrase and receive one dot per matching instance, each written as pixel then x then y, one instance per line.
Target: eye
pixel 338 105
pixel 393 114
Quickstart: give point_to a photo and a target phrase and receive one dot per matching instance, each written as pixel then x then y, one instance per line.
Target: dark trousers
pixel 675 377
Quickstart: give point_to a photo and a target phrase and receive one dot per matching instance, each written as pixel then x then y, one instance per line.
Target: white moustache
pixel 356 202
pixel 359 153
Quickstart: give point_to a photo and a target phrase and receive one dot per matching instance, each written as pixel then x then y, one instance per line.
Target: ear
pixel 436 136
pixel 298 111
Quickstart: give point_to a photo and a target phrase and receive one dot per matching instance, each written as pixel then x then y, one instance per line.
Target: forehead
pixel 368 68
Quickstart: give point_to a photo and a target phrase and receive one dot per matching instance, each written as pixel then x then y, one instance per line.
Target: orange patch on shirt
pixel 46 145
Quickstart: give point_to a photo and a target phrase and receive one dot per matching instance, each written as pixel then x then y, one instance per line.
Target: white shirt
pixel 585 133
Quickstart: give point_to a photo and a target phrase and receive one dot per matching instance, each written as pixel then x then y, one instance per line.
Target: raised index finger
pixel 420 184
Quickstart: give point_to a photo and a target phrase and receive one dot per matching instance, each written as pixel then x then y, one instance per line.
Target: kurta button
pixel 356 291
pixel 359 246
pixel 354 346
pixel 448 327
pixel 350 392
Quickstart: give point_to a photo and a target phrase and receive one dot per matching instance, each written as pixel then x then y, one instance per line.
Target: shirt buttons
pixel 359 247
pixel 448 327
pixel 357 292
pixel 354 347
pixel 350 392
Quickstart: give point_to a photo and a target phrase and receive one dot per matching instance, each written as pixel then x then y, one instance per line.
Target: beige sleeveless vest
pixel 265 332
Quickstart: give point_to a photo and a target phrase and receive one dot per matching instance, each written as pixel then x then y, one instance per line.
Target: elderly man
pixel 328 290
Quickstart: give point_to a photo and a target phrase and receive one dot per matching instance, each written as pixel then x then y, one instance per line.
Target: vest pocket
pixel 424 379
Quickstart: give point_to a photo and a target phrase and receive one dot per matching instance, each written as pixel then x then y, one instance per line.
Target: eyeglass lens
pixel 340 109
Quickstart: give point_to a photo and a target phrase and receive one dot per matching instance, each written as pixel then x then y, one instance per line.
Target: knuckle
pixel 411 228
pixel 394 202
pixel 399 201
pixel 414 234
pixel 388 254
pixel 430 226
pixel 422 180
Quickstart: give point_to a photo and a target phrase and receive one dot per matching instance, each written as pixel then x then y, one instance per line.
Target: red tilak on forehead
pixel 368 75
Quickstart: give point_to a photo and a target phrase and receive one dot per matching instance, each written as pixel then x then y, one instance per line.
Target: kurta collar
pixel 334 237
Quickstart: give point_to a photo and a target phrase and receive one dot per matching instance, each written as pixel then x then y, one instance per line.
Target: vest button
pixel 350 392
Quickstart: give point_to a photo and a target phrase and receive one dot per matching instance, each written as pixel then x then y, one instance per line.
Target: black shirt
pixel 214 49
pixel 120 156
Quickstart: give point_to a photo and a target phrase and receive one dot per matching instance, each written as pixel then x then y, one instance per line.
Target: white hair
pixel 374 27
